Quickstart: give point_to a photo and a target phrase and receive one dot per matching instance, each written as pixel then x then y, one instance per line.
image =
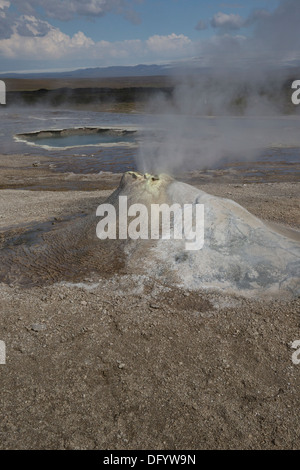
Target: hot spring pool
pixel 80 137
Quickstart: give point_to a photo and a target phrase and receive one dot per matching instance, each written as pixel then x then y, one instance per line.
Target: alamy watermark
pixel 2 353
pixel 2 92
pixel 164 222
pixel 296 94
pixel 296 354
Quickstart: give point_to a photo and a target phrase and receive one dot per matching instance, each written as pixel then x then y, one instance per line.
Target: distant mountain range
pixel 191 66
pixel 105 72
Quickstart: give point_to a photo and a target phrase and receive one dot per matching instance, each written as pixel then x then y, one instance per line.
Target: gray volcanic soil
pixel 125 362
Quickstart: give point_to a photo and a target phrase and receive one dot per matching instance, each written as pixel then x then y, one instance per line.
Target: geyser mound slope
pixel 241 254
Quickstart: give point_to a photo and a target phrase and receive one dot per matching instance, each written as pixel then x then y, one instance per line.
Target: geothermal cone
pixel 241 254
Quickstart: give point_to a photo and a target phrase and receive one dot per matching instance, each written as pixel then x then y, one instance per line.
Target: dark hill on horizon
pixel 103 72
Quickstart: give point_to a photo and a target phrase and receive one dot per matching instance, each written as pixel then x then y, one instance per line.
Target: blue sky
pixel 161 17
pixel 68 34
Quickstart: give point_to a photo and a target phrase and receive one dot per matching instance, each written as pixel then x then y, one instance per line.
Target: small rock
pixel 154 306
pixel 84 303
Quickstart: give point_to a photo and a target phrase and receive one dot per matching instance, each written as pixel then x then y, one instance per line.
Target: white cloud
pixel 56 45
pixel 4 4
pixel 107 51
pixel 31 26
pixel 174 44
pixel 68 9
pixel 5 22
pixel 228 22
pixel 25 18
pixel 275 37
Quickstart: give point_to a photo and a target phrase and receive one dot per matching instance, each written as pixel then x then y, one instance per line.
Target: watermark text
pixel 164 222
pixel 2 353
pixel 2 92
pixel 296 94
pixel 296 354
